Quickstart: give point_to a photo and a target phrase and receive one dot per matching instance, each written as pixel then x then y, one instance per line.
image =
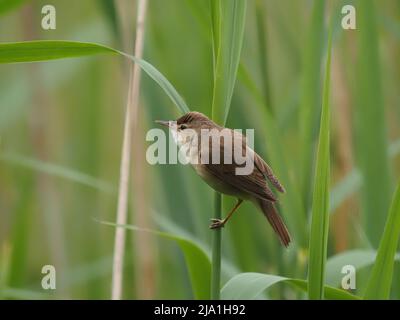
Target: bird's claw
pixel 217 223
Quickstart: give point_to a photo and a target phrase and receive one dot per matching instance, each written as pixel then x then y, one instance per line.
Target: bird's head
pixel 188 126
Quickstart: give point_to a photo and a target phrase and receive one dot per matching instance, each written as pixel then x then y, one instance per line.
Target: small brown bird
pixel 196 135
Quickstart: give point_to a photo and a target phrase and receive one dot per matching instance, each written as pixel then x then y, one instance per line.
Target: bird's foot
pixel 217 223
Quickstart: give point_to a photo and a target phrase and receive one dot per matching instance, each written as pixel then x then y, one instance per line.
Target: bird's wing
pixel 263 167
pixel 253 183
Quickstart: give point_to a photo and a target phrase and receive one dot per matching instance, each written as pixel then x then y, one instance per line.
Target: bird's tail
pixel 276 221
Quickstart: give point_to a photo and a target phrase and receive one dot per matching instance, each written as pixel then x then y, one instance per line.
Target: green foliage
pixel 227 20
pixel 291 201
pixel 110 11
pixel 216 250
pixel 310 94
pixel 357 258
pixel 227 26
pixel 251 285
pixel 197 261
pixel 352 182
pixel 20 294
pixel 58 171
pixel 9 5
pixel 380 281
pixel 320 203
pixel 33 51
pixel 371 139
pixel 60 136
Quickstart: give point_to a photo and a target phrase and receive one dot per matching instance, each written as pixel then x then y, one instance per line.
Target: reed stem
pixel 216 251
pixel 130 124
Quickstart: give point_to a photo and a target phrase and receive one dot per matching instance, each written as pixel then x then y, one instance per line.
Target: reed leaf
pixel 228 20
pixel 247 286
pixel 320 201
pixel 380 280
pixel 357 258
pixel 197 261
pixel 34 51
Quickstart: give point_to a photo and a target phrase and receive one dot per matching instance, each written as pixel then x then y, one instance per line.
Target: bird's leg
pixel 218 223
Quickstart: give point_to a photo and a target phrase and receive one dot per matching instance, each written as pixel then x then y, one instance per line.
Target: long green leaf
pixel 228 20
pixel 320 203
pixel 357 258
pixel 380 281
pixel 250 285
pixel 33 51
pixel 159 78
pixel 197 261
pixel 310 99
pixel 371 140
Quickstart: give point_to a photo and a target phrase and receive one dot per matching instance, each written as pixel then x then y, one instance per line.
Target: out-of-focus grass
pixel 59 171
pixel 371 132
pixel 310 95
pixel 6 5
pixel 198 262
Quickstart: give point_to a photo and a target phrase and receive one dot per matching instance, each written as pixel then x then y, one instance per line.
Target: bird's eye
pixel 183 127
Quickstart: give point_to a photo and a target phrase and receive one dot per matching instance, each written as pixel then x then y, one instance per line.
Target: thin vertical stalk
pixel 227 26
pixel 217 234
pixel 130 124
pixel 142 242
pixel 216 251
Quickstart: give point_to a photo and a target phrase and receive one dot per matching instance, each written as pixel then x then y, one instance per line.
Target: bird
pixel 194 133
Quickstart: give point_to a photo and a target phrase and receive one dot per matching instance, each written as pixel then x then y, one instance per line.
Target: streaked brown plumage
pixel 222 176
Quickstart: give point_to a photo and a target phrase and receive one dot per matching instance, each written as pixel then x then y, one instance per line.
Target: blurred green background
pixel 61 128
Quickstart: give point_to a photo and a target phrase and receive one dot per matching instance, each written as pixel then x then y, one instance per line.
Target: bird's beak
pixel 164 123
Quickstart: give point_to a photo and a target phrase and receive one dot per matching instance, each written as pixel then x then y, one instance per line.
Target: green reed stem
pixel 216 251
